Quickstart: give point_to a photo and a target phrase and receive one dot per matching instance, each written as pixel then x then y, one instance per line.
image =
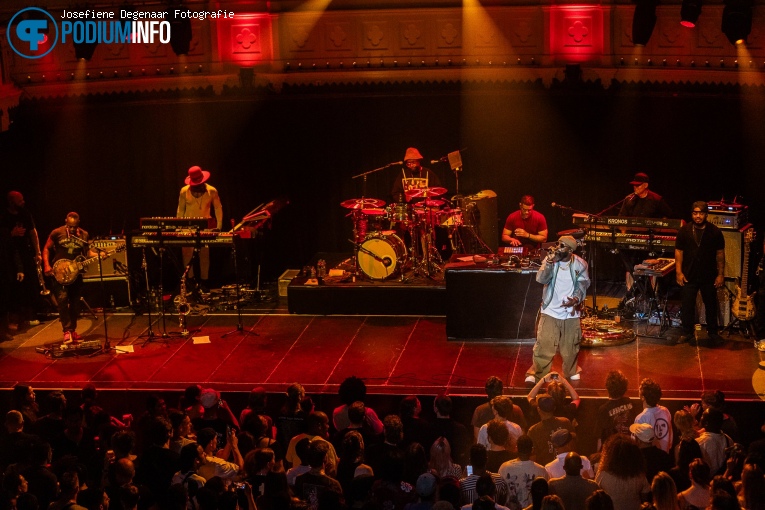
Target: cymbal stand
pixel 164 336
pixel 106 346
pixel 145 266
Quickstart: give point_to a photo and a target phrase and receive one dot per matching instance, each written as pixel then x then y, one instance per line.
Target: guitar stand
pixel 88 308
pixel 746 328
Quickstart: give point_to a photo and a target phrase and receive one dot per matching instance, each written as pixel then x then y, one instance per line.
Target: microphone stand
pixel 239 328
pixel 107 346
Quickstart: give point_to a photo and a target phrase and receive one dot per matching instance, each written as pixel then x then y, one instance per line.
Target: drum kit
pixel 400 240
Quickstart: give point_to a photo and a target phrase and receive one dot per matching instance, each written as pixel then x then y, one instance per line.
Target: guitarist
pixel 67 242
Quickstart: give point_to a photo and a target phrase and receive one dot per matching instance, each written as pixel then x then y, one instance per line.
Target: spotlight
pixel 643 21
pixel 737 20
pixel 180 30
pixel 689 13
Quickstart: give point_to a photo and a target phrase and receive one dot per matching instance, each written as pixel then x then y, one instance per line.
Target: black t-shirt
pixel 700 251
pixel 22 218
pixel 66 246
pixel 615 417
pixel 650 206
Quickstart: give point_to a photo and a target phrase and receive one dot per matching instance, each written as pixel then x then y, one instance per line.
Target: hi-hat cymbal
pixel 362 203
pixel 432 203
pixel 373 212
pixel 425 192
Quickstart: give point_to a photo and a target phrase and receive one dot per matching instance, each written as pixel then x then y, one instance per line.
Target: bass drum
pixel 381 255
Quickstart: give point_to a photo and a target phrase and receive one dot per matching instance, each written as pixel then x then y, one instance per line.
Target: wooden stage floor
pixel 395 354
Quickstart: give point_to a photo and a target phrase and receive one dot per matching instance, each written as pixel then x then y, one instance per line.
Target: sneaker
pixel 67 337
pixel 530 379
pixel 685 337
pixel 576 376
pixel 33 322
pixel 75 336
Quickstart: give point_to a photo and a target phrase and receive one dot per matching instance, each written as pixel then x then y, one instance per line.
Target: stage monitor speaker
pixel 481 212
pixel 734 250
pixel 116 290
pixel 114 266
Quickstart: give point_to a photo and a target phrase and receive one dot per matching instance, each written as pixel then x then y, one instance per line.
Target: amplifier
pixel 116 292
pixel 116 265
pixel 731 216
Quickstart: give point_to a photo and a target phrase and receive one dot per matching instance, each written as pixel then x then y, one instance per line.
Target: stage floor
pixel 394 354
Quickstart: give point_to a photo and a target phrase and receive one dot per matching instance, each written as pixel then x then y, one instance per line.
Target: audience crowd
pixel 202 455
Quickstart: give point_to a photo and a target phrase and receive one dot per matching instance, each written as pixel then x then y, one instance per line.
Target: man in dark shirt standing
pixel 700 267
pixel 644 203
pixel 616 415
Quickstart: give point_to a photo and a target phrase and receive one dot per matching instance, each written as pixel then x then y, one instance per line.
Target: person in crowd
pixel 697 495
pixel 564 442
pixel 426 490
pixel 393 433
pixel 752 487
pixel 268 485
pixel 664 492
pixel 351 464
pixel 190 458
pixel 415 463
pixel 69 487
pixel 257 403
pixel 619 412
pixel 24 400
pixel 572 489
pixel 353 389
pixel 525 227
pixel 216 463
pixel 621 473
pixel 478 459
pixel 721 483
pixel 502 406
pixel 317 430
pixel 540 488
pixel 255 434
pixel 157 464
pixel 357 423
pixel 655 414
pixel 566 279
pixel 13 485
pixel 310 485
pixel 51 426
pixel 687 450
pixel 390 490
pixel 455 432
pixel 712 441
pixel 599 500
pixel 41 480
pixel 216 415
pixel 301 449
pixel 565 396
pixel 291 419
pixel 541 433
pixel 656 459
pixel 715 399
pixel 486 487
pixel 441 461
pixel 181 424
pixel 484 412
pixel 502 447
pixel 15 442
pixel 416 429
pixel 700 267
pixel 518 474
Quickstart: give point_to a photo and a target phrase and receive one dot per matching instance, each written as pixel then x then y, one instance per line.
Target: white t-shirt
pixel 661 421
pixel 518 475
pixel 555 468
pixel 513 428
pixel 564 289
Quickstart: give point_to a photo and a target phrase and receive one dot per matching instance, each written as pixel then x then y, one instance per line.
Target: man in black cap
pixel 700 267
pixel 642 202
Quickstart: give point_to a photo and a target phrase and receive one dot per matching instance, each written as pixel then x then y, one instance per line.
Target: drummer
pixel 414 175
pixel 525 227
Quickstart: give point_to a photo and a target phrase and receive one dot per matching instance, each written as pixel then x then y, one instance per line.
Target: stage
pixel 396 355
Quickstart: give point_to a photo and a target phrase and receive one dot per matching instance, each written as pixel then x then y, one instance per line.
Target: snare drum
pixel 381 255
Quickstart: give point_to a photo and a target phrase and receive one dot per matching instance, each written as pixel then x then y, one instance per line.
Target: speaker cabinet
pixel 116 292
pixel 114 266
pixel 734 250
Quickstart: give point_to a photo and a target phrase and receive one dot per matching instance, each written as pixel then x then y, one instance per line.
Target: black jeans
pixel 711 306
pixel 68 299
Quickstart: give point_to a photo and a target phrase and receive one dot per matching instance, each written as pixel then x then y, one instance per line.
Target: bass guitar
pixel 66 271
pixel 743 305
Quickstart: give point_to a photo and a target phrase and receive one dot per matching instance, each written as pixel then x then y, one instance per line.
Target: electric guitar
pixel 743 305
pixel 66 271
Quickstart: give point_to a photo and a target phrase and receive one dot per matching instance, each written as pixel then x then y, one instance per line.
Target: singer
pixel 67 242
pixel 565 279
pixel 525 227
pixel 413 176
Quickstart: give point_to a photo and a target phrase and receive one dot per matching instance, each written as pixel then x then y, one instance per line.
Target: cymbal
pixel 432 203
pixel 373 212
pixel 425 192
pixel 362 203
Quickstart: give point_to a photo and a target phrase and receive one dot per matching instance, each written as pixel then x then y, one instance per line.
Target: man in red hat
pixel 196 200
pixel 642 202
pixel 414 174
